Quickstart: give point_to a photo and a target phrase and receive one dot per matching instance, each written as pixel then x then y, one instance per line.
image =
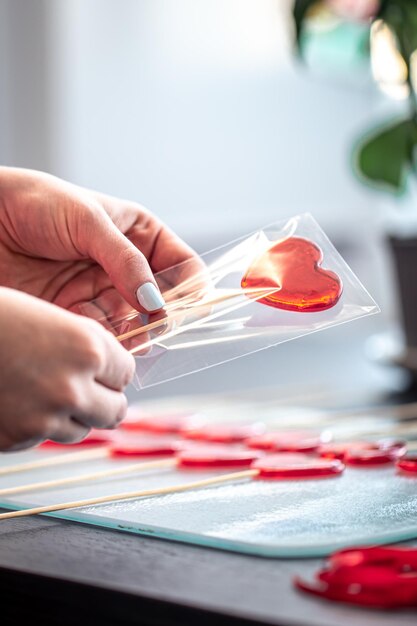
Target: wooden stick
pixel 212 274
pixel 131 495
pixel 226 294
pixel 402 411
pixel 165 463
pixel 137 467
pixel 83 455
pixel 83 478
pixel 200 322
pixel 87 455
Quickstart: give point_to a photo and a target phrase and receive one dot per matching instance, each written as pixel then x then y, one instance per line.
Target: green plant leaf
pixel 385 157
pixel 300 11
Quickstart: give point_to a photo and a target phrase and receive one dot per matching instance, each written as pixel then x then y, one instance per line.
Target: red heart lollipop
pixel 367 576
pixel 378 577
pixel 398 596
pixel 398 559
pixel 293 267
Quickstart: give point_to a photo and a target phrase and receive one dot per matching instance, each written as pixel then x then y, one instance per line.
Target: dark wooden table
pixel 57 572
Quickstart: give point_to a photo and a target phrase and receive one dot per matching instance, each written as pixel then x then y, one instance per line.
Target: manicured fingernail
pixel 150 297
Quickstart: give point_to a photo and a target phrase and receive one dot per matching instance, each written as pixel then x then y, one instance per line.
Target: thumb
pixel 125 265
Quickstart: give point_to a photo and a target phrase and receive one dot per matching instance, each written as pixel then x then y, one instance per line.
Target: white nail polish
pixel 150 297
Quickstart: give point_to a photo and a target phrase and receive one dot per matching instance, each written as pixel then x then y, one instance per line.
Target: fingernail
pixel 150 297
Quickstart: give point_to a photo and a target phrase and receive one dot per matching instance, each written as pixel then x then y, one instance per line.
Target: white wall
pixel 192 107
pixel 195 108
pixel 26 137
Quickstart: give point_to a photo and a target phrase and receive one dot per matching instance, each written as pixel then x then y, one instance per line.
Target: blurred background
pixel 199 110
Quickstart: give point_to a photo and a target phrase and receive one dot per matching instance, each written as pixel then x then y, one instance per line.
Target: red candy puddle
pixel 288 441
pixel 285 465
pixel 224 433
pixel 293 266
pixel 376 577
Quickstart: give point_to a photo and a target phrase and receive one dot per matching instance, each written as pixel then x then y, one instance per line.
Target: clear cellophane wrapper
pixel 211 318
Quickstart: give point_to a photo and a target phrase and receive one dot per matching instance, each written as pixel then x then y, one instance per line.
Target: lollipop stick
pixel 131 495
pixel 227 294
pixel 84 455
pixel 260 293
pixel 120 471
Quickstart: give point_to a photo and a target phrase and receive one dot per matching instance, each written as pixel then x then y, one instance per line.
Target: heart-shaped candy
pixel 293 266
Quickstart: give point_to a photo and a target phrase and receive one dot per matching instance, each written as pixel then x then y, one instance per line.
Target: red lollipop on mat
pixel 224 433
pixel 143 445
pixel 278 467
pixel 396 446
pixel 293 267
pixel 337 450
pixel 216 456
pixel 284 466
pixel 288 441
pixel 408 464
pixel 370 456
pixel 383 450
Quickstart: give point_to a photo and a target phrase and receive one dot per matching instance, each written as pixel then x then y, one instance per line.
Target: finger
pixel 93 311
pixel 132 334
pixel 104 408
pixel 181 273
pixel 160 245
pixel 170 250
pixel 67 430
pixel 115 308
pixel 125 265
pixel 111 311
pixel 117 367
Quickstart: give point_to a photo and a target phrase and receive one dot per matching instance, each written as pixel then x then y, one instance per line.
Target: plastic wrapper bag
pixel 282 282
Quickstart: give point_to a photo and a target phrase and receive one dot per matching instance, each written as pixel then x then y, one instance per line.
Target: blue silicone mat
pixel 273 519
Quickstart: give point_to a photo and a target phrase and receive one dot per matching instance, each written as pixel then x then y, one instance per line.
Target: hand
pixel 69 245
pixel 60 374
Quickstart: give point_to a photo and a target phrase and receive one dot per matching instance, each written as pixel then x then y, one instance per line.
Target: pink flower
pixel 360 10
